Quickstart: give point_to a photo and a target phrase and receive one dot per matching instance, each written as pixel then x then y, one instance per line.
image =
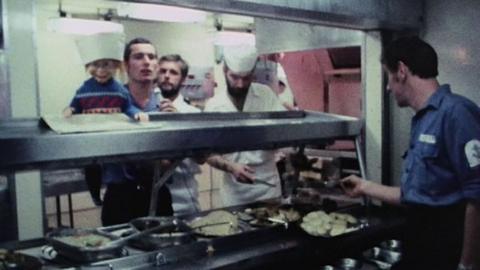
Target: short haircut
pixel 176 58
pixel 128 48
pixel 415 53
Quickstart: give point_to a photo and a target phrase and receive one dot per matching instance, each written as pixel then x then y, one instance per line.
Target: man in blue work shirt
pixel 440 184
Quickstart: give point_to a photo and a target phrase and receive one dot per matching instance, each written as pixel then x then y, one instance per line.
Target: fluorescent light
pixel 230 38
pixel 82 26
pixel 160 13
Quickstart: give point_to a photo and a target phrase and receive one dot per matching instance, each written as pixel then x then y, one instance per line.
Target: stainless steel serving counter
pixel 30 143
pixel 266 248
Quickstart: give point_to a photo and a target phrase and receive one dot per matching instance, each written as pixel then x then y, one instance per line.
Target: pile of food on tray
pixel 319 223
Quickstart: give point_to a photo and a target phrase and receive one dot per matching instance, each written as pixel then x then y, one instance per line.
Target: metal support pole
pixel 59 211
pixel 70 210
pixel 158 180
pixel 361 164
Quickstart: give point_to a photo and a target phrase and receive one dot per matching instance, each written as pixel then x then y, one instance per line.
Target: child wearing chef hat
pixel 102 55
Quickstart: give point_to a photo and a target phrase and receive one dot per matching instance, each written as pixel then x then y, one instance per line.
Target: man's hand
pixel 353 186
pixel 166 105
pixel 243 173
pixel 142 117
pixel 67 112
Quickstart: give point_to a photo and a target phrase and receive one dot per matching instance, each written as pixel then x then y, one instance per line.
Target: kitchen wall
pixel 451 28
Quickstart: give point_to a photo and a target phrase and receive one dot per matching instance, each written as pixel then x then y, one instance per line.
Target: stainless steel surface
pixel 27 144
pixel 301 37
pixel 383 258
pixel 392 245
pixel 364 15
pixel 349 264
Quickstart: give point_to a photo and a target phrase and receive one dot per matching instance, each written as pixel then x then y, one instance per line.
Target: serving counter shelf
pixel 31 144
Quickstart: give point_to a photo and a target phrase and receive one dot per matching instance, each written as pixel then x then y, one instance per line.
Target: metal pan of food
pixel 217 223
pixel 268 216
pixel 319 223
pixel 10 260
pixel 85 245
pixel 171 232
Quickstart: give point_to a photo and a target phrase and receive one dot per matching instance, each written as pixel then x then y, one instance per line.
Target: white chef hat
pixel 101 46
pixel 240 58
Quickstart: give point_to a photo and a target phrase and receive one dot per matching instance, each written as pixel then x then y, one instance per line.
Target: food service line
pixel 261 248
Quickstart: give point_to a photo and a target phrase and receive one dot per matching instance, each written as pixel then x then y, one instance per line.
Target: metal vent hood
pixel 352 14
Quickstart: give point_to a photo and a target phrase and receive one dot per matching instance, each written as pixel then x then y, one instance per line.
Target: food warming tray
pixel 81 253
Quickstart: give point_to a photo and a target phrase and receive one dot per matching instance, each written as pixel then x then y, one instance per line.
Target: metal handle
pixel 158 180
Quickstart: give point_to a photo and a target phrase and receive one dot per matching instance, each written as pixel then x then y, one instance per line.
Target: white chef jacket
pixel 259 98
pixel 183 186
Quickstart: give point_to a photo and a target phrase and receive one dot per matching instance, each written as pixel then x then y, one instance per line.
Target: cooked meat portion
pixel 216 223
pixel 85 240
pixel 319 223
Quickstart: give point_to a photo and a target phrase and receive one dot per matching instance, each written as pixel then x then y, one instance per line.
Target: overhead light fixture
pixel 82 26
pixel 78 26
pixel 163 13
pixel 231 38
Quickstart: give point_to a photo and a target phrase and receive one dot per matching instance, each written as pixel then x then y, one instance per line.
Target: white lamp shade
pixel 160 13
pixel 82 26
pixel 231 38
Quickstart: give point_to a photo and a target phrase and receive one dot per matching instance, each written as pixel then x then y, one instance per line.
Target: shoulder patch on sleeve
pixel 472 151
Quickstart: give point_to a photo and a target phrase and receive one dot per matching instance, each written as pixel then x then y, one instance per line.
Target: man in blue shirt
pixel 129 185
pixel 440 184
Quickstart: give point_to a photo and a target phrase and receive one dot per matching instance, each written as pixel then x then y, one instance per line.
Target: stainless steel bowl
pixel 393 245
pixel 349 264
pixel 382 255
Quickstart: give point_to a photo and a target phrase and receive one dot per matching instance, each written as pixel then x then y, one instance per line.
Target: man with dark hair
pixel 183 186
pixel 129 185
pixel 440 183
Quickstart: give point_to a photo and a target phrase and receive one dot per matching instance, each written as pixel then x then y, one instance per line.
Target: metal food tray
pixel 84 254
pixel 179 234
pixel 361 224
pixel 242 226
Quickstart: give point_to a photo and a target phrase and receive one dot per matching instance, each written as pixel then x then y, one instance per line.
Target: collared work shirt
pixel 442 165
pixel 183 186
pixel 259 98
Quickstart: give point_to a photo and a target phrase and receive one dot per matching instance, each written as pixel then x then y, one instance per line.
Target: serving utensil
pixel 211 224
pixel 263 183
pixel 123 240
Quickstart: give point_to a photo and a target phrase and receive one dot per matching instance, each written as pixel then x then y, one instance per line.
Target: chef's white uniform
pixel 183 186
pixel 259 98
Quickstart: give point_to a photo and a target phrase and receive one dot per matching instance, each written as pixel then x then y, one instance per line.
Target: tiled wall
pixel 87 215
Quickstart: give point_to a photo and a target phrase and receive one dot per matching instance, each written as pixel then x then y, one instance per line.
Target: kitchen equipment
pixel 327 267
pixel 393 245
pixel 10 260
pixel 383 255
pixel 349 264
pixel 172 232
pixel 85 252
pixel 231 224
